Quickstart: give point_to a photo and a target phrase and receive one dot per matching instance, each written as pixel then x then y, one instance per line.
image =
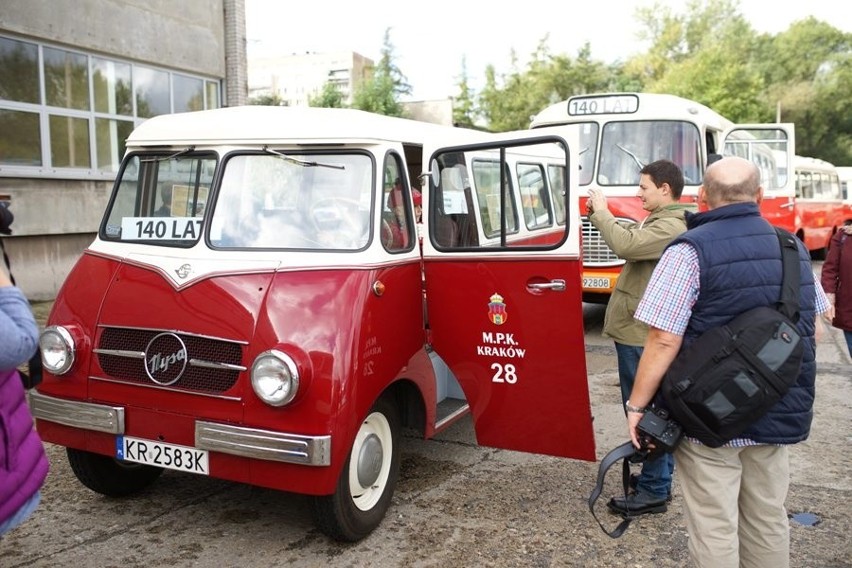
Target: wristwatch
pixel 637 409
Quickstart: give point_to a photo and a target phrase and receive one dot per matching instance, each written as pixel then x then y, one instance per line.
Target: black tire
pixel 109 476
pixel 356 508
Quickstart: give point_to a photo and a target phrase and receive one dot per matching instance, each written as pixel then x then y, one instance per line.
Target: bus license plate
pixel 597 283
pixel 159 454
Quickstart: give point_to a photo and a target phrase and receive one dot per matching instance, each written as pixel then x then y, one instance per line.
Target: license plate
pixel 159 454
pixel 600 283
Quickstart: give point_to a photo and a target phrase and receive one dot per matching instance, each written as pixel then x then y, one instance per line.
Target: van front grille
pixel 213 364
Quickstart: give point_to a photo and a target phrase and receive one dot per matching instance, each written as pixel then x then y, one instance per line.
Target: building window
pixel 152 92
pixel 112 87
pixel 20 139
pixel 19 69
pixel 66 79
pixel 189 93
pixel 69 142
pixel 109 138
pixel 67 113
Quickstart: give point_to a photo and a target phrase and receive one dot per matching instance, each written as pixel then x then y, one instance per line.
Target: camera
pixel 657 432
pixel 6 218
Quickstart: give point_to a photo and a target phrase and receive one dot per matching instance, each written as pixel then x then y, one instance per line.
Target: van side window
pixel 556 176
pixel 396 223
pixel 486 175
pixel 535 199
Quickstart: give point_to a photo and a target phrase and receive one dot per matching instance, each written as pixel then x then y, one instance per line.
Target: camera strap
pixel 33 375
pixel 625 453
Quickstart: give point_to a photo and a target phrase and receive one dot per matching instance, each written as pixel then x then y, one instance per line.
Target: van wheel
pixel 109 476
pixel 368 479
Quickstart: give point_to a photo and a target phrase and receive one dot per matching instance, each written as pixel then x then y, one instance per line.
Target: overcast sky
pixel 431 38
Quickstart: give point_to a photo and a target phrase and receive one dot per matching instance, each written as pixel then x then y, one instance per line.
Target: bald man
pixel 729 261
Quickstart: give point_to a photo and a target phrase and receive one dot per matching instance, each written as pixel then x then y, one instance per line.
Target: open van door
pixel 504 309
pixel 772 147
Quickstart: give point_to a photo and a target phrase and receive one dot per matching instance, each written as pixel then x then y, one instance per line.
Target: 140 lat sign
pixel 160 228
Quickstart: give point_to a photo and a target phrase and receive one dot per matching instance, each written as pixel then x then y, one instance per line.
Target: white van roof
pixel 254 124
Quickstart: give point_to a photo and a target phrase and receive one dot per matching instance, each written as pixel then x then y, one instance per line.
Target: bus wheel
pixel 368 478
pixel 109 476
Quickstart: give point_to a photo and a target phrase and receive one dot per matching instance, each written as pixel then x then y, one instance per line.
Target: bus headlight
pixel 275 378
pixel 57 350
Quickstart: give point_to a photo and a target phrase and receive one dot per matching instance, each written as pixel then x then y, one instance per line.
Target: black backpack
pixel 731 375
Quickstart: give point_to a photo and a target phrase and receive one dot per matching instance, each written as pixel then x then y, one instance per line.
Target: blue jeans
pixel 21 514
pixel 848 336
pixel 656 476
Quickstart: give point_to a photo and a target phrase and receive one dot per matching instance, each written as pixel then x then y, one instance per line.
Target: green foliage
pixel 267 100
pixel 464 106
pixel 809 72
pixel 509 102
pixel 329 97
pixel 708 52
pixel 381 93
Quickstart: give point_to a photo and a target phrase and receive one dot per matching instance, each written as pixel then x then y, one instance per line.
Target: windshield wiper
pixel 186 150
pixel 632 155
pixel 299 161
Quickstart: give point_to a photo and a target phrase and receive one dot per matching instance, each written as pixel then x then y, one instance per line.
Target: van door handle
pixel 557 285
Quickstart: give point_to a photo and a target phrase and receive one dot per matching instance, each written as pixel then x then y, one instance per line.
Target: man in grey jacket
pixel 640 244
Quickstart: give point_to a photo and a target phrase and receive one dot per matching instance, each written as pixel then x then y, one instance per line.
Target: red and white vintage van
pixel 258 307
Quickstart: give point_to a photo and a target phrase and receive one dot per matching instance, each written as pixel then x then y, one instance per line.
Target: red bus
pixel 621 132
pixel 819 209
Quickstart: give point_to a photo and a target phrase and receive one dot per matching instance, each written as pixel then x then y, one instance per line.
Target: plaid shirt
pixel 671 294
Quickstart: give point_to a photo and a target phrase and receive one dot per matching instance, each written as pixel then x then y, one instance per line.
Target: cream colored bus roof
pixel 278 125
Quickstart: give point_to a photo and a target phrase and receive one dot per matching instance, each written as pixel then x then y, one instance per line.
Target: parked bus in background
pixel 619 133
pixel 845 174
pixel 280 322
pixel 818 209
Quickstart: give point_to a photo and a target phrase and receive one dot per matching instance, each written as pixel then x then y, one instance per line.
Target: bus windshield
pixel 627 147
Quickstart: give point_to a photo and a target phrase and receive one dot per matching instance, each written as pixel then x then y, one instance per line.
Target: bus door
pixel 772 147
pixel 506 316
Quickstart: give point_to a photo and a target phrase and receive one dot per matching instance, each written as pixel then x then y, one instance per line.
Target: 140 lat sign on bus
pixel 160 228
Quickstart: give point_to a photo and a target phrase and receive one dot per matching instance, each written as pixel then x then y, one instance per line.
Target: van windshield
pixel 161 199
pixel 294 201
pixel 270 200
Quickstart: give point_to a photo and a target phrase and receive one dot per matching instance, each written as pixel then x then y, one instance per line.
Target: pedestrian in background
pixel 23 462
pixel 728 262
pixel 836 280
pixel 640 244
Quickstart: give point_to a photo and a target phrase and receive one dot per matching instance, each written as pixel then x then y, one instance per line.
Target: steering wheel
pixel 340 212
pixel 338 221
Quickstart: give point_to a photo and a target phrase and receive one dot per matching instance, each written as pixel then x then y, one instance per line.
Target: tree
pixel 706 54
pixel 267 100
pixel 380 93
pixel 464 107
pixel 509 102
pixel 329 97
pixel 809 71
pixel 712 55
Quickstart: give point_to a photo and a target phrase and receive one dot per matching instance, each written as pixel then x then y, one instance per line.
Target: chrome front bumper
pixel 212 436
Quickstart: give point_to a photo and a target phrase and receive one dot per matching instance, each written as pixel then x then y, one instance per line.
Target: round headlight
pixel 57 350
pixel 275 378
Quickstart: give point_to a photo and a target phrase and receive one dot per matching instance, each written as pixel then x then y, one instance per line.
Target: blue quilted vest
pixel 740 268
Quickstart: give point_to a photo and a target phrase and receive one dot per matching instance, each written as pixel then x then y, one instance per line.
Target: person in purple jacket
pixel 23 462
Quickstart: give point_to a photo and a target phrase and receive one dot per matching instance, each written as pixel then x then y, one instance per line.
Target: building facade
pixel 76 76
pixel 294 79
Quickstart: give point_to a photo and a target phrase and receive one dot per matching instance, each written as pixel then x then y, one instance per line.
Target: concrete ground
pixel 456 504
